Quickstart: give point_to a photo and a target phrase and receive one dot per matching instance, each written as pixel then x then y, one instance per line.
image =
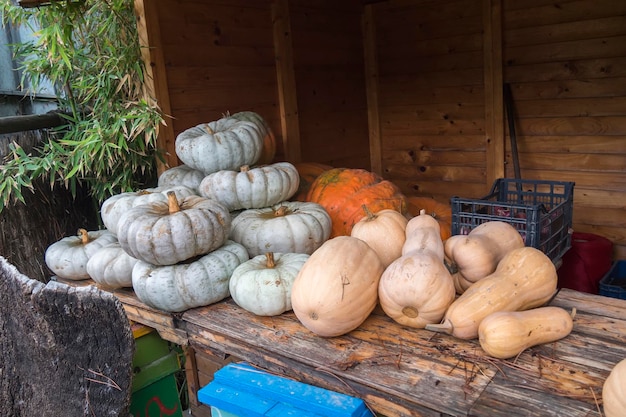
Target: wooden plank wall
pixel 433 68
pixel 329 74
pixel 227 56
pixel 431 96
pixel 566 64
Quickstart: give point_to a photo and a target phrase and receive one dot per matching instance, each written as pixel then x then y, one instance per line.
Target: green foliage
pixel 90 51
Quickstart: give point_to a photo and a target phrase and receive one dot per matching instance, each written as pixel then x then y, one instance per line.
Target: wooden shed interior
pixel 411 89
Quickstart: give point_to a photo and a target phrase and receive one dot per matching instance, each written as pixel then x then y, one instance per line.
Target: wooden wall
pixel 440 108
pixel 566 65
pixel 412 89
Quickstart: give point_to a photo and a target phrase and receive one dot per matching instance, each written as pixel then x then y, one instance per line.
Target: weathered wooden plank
pixel 397 13
pixel 400 65
pixel 443 189
pixel 571 107
pixel 436 111
pixel 587 144
pixel 606 215
pixel 460 77
pixel 597 87
pixel 449 143
pixel 370 54
pixel 155 85
pixel 545 14
pixel 584 69
pixel 433 47
pixel 432 127
pixel 419 158
pixel 562 126
pixel 569 31
pixel 563 51
pixel 432 172
pixel 614 182
pixel 373 359
pixel 532 159
pixel 438 94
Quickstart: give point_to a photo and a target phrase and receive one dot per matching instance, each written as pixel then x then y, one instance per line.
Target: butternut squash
pixel 525 278
pixel 383 231
pixel 505 334
pixel 423 232
pixel 417 288
pixel 614 391
pixel 476 255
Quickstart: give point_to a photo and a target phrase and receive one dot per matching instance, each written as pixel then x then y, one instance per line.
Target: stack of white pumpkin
pixel 218 225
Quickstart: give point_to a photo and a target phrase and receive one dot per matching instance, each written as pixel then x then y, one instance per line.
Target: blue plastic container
pixel 240 390
pixel 613 284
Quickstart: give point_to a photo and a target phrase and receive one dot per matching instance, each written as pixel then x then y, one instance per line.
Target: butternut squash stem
pixel 443 327
pixel 172 202
pixel 84 236
pixel 269 261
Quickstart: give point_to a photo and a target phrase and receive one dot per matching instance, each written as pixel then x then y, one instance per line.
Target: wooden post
pixel 156 90
pixel 371 88
pixel 287 95
pixel 494 112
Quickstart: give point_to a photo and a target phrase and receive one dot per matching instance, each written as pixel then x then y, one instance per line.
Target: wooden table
pixel 401 371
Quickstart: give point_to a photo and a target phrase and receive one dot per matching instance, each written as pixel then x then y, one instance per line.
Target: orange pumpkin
pixel 440 211
pixel 343 191
pixel 308 172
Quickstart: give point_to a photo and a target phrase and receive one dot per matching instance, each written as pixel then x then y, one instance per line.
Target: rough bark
pixel 65 351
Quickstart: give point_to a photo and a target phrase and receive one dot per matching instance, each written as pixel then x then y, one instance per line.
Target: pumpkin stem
pixel 422 212
pixel 370 216
pixel 269 262
pixel 208 129
pixel 573 314
pixel 443 327
pixel 244 168
pixel 281 211
pixel 172 202
pixel 84 236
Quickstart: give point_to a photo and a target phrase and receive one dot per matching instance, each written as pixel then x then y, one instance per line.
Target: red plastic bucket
pixel 586 262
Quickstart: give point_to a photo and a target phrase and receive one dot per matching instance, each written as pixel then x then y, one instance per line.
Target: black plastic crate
pixel 540 210
pixel 613 284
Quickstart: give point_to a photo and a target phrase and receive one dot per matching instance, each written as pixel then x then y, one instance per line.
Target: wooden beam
pixel 371 88
pixel 13 124
pixel 156 89
pixel 287 96
pixel 494 111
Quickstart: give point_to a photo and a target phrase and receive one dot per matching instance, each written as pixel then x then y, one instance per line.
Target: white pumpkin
pixel 181 175
pixel 248 188
pixel 291 227
pixel 200 282
pixel 263 284
pixel 113 207
pixel 111 267
pixel 225 144
pixel 67 258
pixel 165 233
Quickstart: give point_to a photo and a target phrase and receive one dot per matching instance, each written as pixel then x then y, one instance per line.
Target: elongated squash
pixel 505 334
pixel 614 391
pixel 417 288
pixel 525 278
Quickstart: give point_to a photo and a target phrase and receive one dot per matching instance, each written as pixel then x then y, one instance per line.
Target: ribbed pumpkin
pixel 269 140
pixel 68 257
pixel 111 266
pixel 226 143
pixel 181 175
pixel 337 287
pixel 116 205
pixel 263 284
pixel 439 211
pixel 308 171
pixel 197 282
pixel 343 191
pixel 290 227
pixel 164 233
pixel 251 187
